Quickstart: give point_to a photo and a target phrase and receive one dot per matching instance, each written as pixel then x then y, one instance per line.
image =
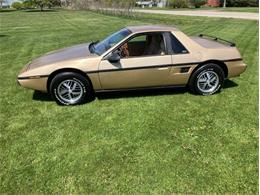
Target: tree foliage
pixel 28 4
pixel 17 5
pixel 41 3
pixel 241 3
pixel 178 3
pixel 198 3
pixel 115 6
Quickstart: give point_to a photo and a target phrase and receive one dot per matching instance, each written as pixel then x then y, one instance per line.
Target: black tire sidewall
pixel 207 67
pixel 87 92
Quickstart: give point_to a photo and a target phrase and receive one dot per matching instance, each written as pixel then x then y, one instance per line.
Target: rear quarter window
pixel 177 46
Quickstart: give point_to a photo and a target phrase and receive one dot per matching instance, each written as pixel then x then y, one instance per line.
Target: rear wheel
pixel 69 88
pixel 207 80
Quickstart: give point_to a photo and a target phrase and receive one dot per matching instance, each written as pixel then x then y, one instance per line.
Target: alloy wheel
pixel 70 91
pixel 208 81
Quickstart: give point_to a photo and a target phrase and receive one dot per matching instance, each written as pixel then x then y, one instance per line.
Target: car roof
pixel 151 28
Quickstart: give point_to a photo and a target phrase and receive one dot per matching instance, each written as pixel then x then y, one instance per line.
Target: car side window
pixel 141 38
pixel 177 46
pixel 150 44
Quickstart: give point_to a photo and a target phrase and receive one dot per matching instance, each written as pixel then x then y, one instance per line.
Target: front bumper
pixel 39 84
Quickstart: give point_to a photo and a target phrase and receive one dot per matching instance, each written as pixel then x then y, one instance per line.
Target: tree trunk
pixel 224 3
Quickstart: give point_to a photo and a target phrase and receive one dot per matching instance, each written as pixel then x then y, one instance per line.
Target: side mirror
pixel 113 57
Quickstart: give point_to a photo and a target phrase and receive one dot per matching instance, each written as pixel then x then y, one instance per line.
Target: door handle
pixel 163 68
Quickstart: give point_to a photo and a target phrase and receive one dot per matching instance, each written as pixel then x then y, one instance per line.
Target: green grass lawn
pixel 156 142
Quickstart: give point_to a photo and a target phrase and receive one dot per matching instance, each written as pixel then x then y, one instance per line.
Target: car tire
pixel 70 88
pixel 207 79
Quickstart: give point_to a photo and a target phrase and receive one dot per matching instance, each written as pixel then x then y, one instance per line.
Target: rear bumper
pixel 235 68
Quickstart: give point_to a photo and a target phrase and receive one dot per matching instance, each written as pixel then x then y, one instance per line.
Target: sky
pixel 9 2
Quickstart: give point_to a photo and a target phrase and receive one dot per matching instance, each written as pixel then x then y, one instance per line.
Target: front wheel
pixel 207 80
pixel 69 88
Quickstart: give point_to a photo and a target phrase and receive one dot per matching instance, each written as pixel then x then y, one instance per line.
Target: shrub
pixel 178 3
pixel 197 3
pixel 17 5
pixel 27 4
pixel 241 3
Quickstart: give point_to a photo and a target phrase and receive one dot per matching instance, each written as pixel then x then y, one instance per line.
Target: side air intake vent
pixel 185 69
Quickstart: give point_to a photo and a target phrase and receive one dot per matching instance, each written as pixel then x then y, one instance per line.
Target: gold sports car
pixel 135 57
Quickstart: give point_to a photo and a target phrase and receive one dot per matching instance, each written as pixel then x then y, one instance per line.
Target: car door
pixel 183 58
pixel 138 69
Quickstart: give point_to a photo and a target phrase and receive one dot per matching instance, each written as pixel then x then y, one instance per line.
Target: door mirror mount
pixel 113 57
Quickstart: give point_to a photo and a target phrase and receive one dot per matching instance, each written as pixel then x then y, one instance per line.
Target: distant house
pixel 213 3
pixel 161 3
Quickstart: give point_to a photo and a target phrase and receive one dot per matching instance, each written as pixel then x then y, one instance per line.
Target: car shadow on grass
pixel 229 84
pixel 141 93
pixel 154 92
pixel 40 96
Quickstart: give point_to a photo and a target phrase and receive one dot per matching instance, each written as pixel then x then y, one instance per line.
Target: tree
pixel 224 3
pixel 40 3
pixel 1 3
pixel 43 3
pixel 121 7
pixel 27 4
pixel 17 5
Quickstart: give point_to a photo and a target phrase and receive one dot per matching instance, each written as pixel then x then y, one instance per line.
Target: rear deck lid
pixel 212 42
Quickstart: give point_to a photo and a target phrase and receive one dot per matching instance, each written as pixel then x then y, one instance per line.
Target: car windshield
pixel 110 41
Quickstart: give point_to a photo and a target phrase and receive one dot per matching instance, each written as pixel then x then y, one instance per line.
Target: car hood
pixel 66 54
